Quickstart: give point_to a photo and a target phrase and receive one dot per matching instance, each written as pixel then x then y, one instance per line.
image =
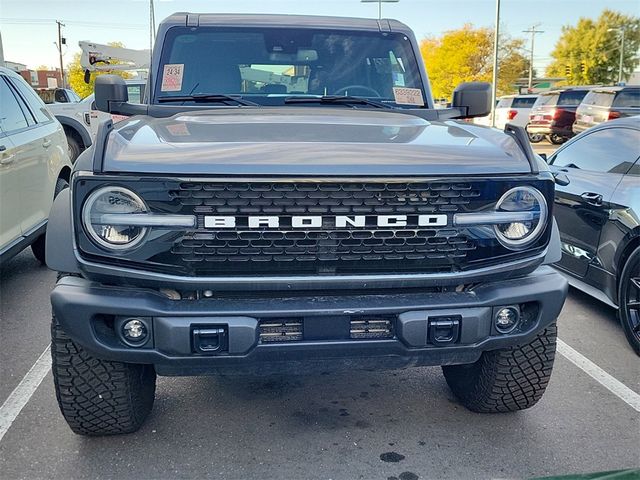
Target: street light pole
pixel 495 65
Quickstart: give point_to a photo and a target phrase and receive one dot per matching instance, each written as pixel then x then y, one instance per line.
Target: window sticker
pixel 408 96
pixel 178 129
pixel 172 77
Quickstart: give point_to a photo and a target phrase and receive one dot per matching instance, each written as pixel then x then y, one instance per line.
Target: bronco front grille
pixel 326 249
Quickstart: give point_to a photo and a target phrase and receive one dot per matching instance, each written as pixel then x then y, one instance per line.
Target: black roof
pixel 269 20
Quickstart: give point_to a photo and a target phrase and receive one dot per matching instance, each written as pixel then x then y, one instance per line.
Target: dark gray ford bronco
pixel 288 199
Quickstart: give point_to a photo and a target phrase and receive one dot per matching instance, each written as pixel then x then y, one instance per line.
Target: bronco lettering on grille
pixel 313 221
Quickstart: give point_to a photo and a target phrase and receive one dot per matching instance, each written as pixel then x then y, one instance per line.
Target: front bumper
pixel 90 314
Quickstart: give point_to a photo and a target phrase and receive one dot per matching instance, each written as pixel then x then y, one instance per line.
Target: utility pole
pixel 61 41
pixel 621 31
pixel 533 32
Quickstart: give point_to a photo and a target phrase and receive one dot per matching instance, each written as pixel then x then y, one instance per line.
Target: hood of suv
pixel 308 141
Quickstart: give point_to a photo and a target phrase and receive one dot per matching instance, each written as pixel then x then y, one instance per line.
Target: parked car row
pixel 561 114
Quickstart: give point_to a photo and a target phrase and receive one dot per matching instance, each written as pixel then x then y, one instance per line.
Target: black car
pixel 607 103
pixel 598 213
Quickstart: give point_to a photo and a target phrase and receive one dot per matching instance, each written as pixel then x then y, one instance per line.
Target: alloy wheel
pixel 633 305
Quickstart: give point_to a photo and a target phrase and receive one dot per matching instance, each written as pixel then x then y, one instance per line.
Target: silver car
pixel 34 166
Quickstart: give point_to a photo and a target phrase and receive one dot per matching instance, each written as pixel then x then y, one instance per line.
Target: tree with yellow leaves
pixel 466 55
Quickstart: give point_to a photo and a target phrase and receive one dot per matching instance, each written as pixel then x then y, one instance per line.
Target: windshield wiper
pixel 208 98
pixel 337 99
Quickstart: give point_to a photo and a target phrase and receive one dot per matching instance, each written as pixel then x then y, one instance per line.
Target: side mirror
pixel 474 97
pixel 543 156
pixel 60 96
pixel 561 179
pixel 110 89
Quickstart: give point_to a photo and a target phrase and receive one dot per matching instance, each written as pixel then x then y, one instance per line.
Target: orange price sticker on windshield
pixel 172 77
pixel 408 96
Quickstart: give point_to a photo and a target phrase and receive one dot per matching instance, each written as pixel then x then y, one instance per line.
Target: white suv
pixel 513 109
pixel 34 166
pixel 80 119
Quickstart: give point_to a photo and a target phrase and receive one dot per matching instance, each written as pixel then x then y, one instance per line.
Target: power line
pixel 80 23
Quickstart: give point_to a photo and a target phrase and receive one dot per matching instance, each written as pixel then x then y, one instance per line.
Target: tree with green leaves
pixel 466 55
pixel 590 51
pixel 76 75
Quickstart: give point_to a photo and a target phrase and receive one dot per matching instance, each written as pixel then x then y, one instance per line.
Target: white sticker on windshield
pixel 408 96
pixel 172 77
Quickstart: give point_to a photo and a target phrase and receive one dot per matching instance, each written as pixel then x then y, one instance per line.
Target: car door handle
pixel 592 198
pixel 7 159
pixel 46 143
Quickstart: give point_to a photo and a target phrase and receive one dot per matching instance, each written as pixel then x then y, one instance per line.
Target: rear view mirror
pixel 474 98
pixel 110 89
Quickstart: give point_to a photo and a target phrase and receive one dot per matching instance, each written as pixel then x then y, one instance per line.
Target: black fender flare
pixel 60 245
pixel 554 250
pixel 78 127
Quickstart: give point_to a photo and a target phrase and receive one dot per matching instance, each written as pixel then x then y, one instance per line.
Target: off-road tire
pixel 628 296
pixel 99 397
pixel 508 379
pixel 74 149
pixel 39 246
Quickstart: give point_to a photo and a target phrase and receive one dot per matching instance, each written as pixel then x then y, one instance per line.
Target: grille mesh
pixel 327 248
pixel 325 198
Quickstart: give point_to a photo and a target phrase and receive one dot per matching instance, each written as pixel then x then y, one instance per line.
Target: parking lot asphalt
pixel 336 426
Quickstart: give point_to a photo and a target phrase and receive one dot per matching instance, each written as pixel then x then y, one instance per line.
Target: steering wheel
pixel 364 88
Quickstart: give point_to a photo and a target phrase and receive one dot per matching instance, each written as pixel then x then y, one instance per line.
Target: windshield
pixel 268 64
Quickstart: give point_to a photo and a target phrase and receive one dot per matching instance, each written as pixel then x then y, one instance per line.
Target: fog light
pixel 134 330
pixel 506 319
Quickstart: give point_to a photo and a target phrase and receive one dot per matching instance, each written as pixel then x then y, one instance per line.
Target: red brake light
pixel 511 114
pixel 556 113
pixel 613 115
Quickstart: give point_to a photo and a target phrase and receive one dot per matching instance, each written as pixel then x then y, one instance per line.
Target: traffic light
pixel 567 71
pixel 583 67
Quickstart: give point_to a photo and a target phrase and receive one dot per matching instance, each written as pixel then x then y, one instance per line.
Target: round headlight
pixel 518 234
pixel 103 206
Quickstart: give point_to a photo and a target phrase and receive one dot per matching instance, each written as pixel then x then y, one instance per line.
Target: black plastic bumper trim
pixel 76 302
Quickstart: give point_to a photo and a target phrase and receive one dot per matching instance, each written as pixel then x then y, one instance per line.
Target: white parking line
pixel 21 395
pixel 612 384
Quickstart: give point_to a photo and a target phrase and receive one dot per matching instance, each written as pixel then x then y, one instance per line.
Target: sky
pixel 29 30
